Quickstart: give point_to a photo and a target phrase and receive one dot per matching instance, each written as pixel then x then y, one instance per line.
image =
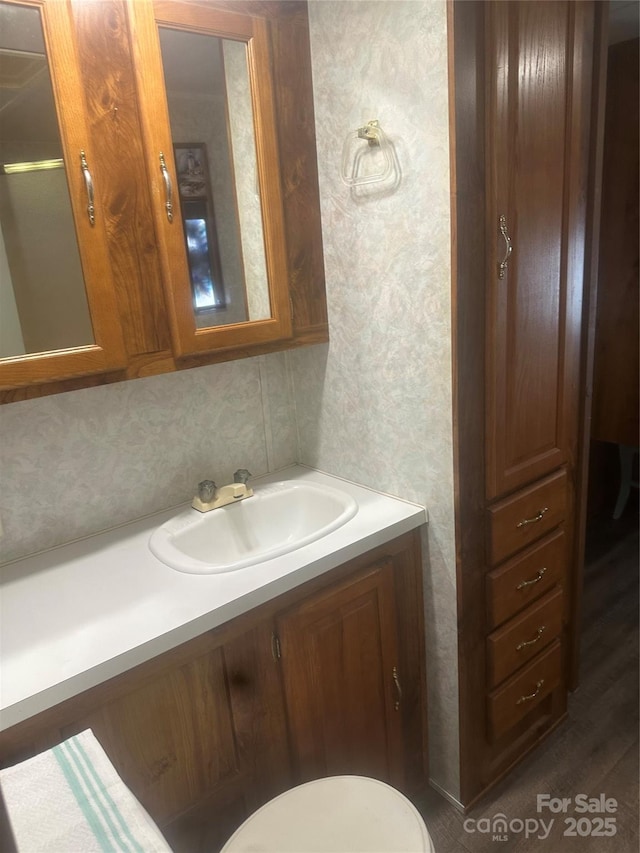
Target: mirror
pixel 43 301
pixel 211 119
pixel 207 106
pixel 207 102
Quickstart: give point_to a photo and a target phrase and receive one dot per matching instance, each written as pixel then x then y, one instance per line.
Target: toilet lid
pixel 339 814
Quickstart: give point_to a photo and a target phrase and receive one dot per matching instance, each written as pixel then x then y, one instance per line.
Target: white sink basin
pixel 280 517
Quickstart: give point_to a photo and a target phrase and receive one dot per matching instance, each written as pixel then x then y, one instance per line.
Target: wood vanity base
pixel 206 733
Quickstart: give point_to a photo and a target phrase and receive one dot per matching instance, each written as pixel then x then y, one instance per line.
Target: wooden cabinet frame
pixel 139 304
pixel 107 352
pixel 145 16
pixel 482 764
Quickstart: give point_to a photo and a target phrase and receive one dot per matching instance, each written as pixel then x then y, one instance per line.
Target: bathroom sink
pixel 279 518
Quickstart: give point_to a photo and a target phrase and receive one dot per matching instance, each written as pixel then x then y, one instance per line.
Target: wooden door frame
pixel 468 255
pixel 468 259
pixel 590 300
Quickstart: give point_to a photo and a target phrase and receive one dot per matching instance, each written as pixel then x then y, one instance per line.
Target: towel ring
pixel 354 154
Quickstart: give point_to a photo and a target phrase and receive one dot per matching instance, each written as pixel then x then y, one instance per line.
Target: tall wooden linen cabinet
pixel 522 97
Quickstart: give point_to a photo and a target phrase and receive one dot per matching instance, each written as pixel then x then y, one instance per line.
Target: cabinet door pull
pixel 502 267
pixel 526 643
pixel 88 182
pixel 276 650
pixel 537 578
pixel 537 517
pixel 396 681
pixel 531 695
pixel 168 188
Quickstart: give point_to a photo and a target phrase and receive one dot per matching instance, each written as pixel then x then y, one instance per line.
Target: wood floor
pixel 596 750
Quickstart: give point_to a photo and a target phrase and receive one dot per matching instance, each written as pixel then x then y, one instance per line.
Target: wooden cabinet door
pixel 58 302
pixel 238 293
pixel 537 110
pixel 339 661
pixel 251 691
pixel 171 739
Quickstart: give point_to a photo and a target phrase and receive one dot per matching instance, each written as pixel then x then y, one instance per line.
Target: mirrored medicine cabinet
pixel 143 156
pixel 57 305
pixel 215 171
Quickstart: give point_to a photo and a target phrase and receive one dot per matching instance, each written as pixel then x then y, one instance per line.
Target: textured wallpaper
pixel 77 463
pixel 374 405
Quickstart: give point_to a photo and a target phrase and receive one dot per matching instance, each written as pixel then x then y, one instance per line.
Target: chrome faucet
pixel 211 497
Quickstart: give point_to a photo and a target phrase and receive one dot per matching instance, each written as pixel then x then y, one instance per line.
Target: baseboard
pixel 447 796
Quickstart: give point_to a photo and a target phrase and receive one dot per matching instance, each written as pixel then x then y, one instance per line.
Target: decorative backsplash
pixel 77 463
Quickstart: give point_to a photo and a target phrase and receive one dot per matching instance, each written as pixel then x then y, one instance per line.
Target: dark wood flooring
pixel 596 750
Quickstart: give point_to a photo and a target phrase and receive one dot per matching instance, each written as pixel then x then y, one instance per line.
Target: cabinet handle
pixel 537 578
pixel 168 188
pixel 88 182
pixel 396 681
pixel 537 517
pixel 502 266
pixel 526 643
pixel 531 695
pixel 276 650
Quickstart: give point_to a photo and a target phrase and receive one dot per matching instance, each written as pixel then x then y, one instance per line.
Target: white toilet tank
pixel 339 814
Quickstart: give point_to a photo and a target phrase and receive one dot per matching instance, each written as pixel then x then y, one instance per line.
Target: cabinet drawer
pixel 521 639
pixel 519 520
pixel 525 578
pixel 510 703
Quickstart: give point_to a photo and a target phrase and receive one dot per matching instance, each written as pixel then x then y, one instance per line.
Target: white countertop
pixel 74 616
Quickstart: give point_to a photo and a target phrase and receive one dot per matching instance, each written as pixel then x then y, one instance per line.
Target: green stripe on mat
pixel 99 782
pixel 83 801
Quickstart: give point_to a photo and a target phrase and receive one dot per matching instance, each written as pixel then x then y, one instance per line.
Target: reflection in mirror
pixel 43 303
pixel 211 116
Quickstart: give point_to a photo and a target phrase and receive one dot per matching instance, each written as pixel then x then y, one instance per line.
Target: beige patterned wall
pixel 77 463
pixel 374 405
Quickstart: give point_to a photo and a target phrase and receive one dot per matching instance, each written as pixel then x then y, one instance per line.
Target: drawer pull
pixel 537 517
pixel 396 681
pixel 526 643
pixel 537 578
pixel 531 695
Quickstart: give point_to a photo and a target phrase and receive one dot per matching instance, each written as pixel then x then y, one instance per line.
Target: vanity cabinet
pixel 523 171
pixel 340 665
pixel 156 304
pixel 328 678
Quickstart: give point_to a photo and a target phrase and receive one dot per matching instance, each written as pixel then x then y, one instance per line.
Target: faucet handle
pixel 241 476
pixel 206 491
